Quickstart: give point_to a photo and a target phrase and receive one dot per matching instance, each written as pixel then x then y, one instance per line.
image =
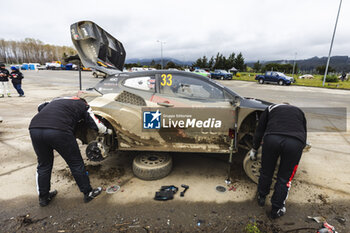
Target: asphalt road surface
pixel 321 186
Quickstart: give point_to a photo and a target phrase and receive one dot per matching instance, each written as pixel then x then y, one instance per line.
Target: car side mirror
pixel 236 102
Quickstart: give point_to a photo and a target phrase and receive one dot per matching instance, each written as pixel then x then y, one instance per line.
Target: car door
pixel 196 115
pixel 122 103
pixel 274 77
pixel 268 76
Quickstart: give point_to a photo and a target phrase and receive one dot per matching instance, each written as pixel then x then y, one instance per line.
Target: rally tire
pixel 252 168
pixel 280 82
pixel 261 81
pixel 152 166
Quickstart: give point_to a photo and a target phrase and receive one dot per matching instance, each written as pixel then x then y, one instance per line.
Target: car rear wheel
pixel 222 77
pixel 152 166
pixel 280 82
pixel 261 81
pixel 95 75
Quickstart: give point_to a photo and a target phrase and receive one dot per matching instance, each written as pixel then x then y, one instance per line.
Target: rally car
pixel 160 111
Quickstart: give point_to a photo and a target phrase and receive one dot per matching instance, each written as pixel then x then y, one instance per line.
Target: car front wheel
pixel 95 75
pixel 261 81
pixel 252 168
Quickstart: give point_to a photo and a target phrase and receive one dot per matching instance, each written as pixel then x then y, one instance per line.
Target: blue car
pixel 274 77
pixel 221 74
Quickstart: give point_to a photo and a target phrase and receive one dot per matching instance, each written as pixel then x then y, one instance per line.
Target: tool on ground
pixel 166 193
pixel 327 228
pixel 112 189
pixel 220 189
pixel 182 194
pixel 317 219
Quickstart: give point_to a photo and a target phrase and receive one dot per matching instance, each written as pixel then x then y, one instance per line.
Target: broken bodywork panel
pixel 96 48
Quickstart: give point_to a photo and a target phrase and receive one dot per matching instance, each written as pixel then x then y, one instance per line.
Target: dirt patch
pixel 95 171
pixel 21 221
pixel 323 198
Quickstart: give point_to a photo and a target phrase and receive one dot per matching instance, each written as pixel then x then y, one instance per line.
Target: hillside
pixel 339 63
pixel 147 61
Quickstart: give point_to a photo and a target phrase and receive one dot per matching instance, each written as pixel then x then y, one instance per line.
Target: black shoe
pixel 44 201
pixel 278 213
pixel 92 194
pixel 261 200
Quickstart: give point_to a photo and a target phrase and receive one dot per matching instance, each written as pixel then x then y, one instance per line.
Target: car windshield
pixel 281 74
pixel 222 71
pixel 200 71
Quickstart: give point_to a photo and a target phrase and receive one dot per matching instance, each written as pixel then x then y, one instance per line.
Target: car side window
pixel 189 87
pixel 146 83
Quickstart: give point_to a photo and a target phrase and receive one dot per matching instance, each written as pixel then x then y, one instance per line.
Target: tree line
pixel 221 62
pixel 32 51
pixel 286 68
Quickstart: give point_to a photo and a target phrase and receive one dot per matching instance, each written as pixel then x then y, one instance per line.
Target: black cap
pixel 2 65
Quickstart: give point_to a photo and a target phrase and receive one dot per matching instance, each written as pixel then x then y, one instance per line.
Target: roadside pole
pixel 79 75
pixel 295 57
pixel 330 49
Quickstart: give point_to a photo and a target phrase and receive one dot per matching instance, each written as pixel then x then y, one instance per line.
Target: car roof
pixel 125 75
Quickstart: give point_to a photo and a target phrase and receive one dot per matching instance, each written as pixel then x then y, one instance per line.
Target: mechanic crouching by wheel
pixel 53 129
pixel 283 130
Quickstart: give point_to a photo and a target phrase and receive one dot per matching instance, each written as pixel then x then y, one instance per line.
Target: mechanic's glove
pixel 253 154
pixel 109 131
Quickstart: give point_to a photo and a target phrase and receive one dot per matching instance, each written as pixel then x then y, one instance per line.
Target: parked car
pixel 160 111
pixel 221 74
pixel 98 74
pixel 55 65
pixel 202 72
pixel 306 76
pixel 274 77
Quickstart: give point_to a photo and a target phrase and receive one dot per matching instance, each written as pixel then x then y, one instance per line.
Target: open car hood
pixel 96 48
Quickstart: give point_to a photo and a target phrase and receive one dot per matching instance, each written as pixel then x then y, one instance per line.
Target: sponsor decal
pixel 191 123
pixel 155 120
pixel 151 119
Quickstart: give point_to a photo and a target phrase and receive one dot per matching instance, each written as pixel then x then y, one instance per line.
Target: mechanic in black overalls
pixel 283 130
pixel 53 129
pixel 16 78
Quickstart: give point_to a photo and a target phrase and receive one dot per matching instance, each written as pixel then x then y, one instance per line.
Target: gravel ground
pixel 321 186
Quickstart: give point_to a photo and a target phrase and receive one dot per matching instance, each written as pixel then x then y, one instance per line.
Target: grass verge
pixel 317 81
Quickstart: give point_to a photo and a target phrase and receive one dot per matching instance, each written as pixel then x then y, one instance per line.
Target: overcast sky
pixel 260 29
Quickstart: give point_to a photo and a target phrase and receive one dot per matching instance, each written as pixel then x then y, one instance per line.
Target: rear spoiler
pixel 96 48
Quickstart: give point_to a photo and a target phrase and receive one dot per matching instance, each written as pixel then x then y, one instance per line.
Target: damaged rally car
pixel 160 111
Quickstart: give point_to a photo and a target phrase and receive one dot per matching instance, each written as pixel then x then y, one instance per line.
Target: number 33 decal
pixel 167 79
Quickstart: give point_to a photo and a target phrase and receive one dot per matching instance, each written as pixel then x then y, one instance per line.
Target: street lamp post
pixel 330 49
pixel 295 57
pixel 161 51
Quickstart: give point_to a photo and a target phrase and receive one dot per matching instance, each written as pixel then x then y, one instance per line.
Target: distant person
pixel 343 77
pixel 282 128
pixel 53 129
pixel 4 79
pixel 16 78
